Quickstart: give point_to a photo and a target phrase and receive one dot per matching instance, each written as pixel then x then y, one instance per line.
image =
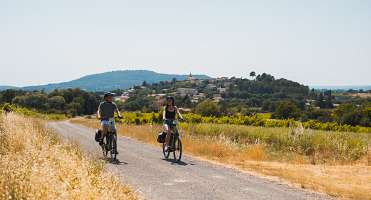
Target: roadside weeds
pixel 35 164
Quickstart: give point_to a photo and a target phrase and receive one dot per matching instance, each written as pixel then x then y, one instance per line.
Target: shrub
pixel 287 110
pixel 207 108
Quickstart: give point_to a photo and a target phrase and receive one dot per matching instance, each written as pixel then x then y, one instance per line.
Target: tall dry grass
pixel 34 164
pixel 338 179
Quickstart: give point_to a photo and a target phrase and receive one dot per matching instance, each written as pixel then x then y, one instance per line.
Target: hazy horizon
pixel 313 43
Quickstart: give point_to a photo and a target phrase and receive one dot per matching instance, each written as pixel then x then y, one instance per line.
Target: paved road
pixel 142 167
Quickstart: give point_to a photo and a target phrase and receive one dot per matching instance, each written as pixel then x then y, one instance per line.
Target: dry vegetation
pixel 36 165
pixel 342 178
pixel 362 95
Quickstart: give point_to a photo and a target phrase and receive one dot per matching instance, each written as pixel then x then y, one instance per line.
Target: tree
pixel 35 100
pixel 324 100
pixel 353 114
pixel 8 95
pixel 265 77
pixel 207 108
pixel 287 110
pixel 252 74
pixel 317 114
pixel 139 103
pixel 56 102
pixel 173 81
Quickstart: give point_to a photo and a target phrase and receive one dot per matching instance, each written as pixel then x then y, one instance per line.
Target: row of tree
pixel 70 101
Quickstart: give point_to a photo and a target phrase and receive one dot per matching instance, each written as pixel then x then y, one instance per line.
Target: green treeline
pixel 71 102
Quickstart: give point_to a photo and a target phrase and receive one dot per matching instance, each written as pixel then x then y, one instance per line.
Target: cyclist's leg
pixel 168 134
pixel 105 129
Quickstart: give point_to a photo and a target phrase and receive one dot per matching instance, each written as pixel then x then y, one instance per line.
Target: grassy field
pixel 35 164
pixel 331 162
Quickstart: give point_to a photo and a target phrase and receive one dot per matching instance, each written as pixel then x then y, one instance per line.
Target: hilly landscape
pixel 107 81
pixel 5 87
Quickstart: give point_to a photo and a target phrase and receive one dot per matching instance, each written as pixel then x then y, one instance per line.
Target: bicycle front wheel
pixel 166 153
pixel 178 150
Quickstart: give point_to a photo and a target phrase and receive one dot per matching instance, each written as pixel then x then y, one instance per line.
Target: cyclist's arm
pixel 118 111
pixel 164 114
pixel 98 112
pixel 178 112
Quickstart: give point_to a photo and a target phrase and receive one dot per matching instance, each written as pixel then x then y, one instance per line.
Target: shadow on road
pixel 177 163
pixel 115 162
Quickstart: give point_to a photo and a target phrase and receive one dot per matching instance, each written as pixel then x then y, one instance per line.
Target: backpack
pixel 161 137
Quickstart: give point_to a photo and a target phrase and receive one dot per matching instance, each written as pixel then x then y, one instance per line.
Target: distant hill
pixel 5 87
pixel 113 80
pixel 342 87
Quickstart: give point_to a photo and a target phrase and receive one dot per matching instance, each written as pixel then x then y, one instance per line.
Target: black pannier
pixel 161 137
pixel 98 135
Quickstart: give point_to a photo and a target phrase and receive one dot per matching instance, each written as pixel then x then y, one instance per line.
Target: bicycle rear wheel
pixel 178 150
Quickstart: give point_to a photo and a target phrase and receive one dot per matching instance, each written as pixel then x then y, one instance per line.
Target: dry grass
pixel 362 95
pixel 344 181
pixel 36 165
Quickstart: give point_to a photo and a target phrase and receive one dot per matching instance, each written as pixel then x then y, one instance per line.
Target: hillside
pixel 5 87
pixel 113 80
pixel 341 87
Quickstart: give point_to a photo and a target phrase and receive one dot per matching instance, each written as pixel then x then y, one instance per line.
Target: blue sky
pixel 313 42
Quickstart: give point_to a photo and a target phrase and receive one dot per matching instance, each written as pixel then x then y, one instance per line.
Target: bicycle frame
pixel 175 144
pixel 174 136
pixel 111 142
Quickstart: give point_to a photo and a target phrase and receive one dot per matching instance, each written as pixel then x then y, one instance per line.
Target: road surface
pixel 143 168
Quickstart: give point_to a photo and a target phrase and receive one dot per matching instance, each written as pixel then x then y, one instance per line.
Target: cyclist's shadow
pixel 115 162
pixel 181 163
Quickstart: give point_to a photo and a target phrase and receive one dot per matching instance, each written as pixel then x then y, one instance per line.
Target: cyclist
pixel 169 115
pixel 106 112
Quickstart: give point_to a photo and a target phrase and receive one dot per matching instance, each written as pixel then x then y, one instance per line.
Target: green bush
pixel 207 108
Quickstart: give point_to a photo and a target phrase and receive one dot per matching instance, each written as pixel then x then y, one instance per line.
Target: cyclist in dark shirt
pixel 169 115
pixel 106 113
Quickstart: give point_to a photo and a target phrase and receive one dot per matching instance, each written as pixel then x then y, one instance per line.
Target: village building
pixel 122 98
pixel 217 98
pixel 222 90
pixel 186 91
pixel 211 86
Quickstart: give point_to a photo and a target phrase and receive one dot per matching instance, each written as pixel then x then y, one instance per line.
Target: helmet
pixel 108 94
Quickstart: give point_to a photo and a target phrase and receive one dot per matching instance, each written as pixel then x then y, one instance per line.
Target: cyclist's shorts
pixel 169 123
pixel 109 124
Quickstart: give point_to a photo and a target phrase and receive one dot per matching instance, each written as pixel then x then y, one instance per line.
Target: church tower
pixel 190 77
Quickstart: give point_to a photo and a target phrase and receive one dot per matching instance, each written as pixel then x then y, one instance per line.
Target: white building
pixel 222 90
pixel 186 91
pixel 122 98
pixel 211 86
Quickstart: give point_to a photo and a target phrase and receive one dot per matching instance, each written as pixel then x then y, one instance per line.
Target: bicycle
pixel 109 143
pixel 175 144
